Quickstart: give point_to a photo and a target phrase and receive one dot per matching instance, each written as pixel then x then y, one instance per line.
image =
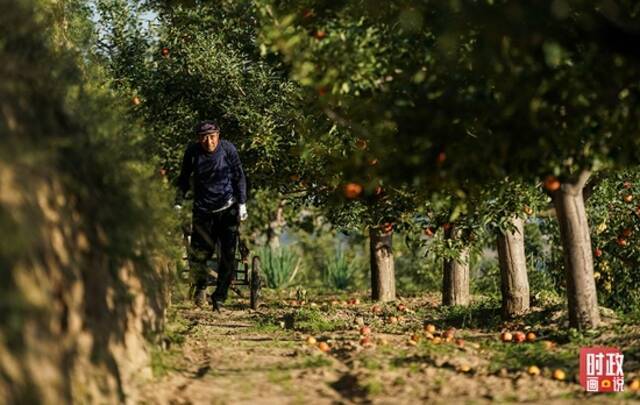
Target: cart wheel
pixel 256 281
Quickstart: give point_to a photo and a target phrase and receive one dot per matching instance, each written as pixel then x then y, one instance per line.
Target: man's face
pixel 210 141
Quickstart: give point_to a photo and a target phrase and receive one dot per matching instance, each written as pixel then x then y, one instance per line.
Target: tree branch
pixel 593 183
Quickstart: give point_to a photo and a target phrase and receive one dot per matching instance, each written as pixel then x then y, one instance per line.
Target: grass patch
pixel 372 386
pixel 282 378
pixel 175 331
pixel 268 326
pixel 371 363
pixel 312 320
pixel 399 381
pixel 279 376
pixel 520 356
pixel 164 361
pixel 426 347
pixel 311 361
pixel 484 314
pixel 309 320
pixel 176 328
pixel 316 361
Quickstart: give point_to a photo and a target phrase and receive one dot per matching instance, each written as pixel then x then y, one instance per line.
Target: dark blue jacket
pixel 217 176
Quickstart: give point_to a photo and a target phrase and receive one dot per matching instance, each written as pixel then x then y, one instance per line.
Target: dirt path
pixel 227 361
pixel 241 356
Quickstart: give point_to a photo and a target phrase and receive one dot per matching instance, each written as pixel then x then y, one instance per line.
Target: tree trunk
pixel 513 271
pixel 578 258
pixel 455 281
pixel 275 227
pixel 383 279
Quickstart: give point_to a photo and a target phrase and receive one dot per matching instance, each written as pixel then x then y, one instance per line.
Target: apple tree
pixel 477 92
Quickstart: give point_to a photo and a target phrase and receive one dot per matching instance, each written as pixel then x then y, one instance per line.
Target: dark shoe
pixel 216 304
pixel 199 296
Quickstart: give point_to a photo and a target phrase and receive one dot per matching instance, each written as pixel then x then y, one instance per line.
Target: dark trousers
pixel 209 231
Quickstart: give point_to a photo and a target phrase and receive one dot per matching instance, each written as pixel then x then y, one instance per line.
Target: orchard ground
pixel 264 356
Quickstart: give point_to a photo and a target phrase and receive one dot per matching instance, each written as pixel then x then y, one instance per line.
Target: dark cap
pixel 207 127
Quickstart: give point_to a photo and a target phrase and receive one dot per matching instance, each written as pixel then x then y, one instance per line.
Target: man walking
pixel 220 196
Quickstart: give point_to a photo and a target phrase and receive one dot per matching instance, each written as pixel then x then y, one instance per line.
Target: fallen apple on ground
pixel 311 340
pixel 533 370
pixel 450 333
pixel 431 328
pixel 531 337
pixel 465 368
pixel 365 341
pixel 559 374
pixel 324 347
pixel 506 336
pixel 365 330
pixel 519 337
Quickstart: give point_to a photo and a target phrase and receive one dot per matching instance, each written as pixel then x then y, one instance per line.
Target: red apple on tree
pixel 551 183
pixel 352 190
pixel 320 34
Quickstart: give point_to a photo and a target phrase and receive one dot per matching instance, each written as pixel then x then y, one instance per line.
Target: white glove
pixel 177 207
pixel 243 212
